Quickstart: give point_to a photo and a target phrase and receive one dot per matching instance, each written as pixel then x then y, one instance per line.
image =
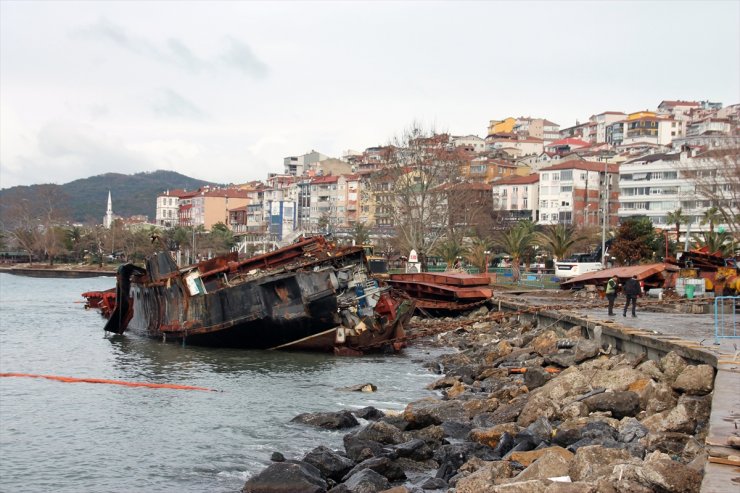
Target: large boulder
pixel 672 365
pixel 381 432
pixel 659 473
pixel 536 376
pixel 529 457
pixel 545 343
pixel 539 405
pixel 287 477
pixel 695 380
pixel 551 464
pixel 330 463
pixel 430 411
pixel 482 479
pixel 359 450
pixel 416 449
pixel 630 430
pixel 617 379
pixel 382 465
pixel 491 436
pixel 327 420
pixel 678 419
pixel 658 397
pixel 620 403
pixel 593 461
pixel 367 481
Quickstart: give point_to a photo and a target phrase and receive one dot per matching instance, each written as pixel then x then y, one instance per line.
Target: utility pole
pixel 605 210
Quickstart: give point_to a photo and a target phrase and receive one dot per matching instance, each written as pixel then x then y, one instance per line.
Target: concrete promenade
pixel 656 333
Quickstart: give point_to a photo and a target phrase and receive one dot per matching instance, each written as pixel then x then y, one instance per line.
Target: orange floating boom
pixel 109 382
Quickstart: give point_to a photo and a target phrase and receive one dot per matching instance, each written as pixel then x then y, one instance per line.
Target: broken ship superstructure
pixel 309 295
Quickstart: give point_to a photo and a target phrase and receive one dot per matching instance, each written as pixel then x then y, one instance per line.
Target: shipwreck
pixel 310 295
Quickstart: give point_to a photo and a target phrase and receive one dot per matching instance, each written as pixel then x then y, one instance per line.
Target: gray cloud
pixel 171 104
pixel 236 55
pixel 79 153
pixel 241 56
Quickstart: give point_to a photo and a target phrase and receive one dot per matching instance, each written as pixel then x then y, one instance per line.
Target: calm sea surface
pixel 72 437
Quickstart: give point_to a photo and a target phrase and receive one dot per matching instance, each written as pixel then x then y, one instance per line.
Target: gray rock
pixel 672 365
pixel 367 481
pixel 430 411
pixel 630 430
pixel 329 420
pixel 620 403
pixel 359 450
pixel 369 413
pixel 381 432
pixel 382 465
pixel 536 376
pixel 434 484
pixel 594 461
pixel 277 457
pixel 281 477
pixel 563 358
pixel 668 442
pixel 586 349
pixel 416 449
pixel 331 464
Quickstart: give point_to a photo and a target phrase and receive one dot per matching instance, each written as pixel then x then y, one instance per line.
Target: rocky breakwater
pixel 521 409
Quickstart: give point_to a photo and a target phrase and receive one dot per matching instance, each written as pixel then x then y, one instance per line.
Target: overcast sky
pixel 223 91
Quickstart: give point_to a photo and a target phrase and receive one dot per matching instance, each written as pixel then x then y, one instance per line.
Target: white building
pixel 517 196
pixel 657 184
pixel 296 165
pixel 471 143
pixel 168 207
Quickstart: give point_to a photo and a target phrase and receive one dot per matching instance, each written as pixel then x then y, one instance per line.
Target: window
pixel 545 176
pixel 566 188
pixel 566 175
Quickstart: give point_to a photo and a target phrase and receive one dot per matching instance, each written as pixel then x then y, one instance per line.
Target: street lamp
pixel 487 253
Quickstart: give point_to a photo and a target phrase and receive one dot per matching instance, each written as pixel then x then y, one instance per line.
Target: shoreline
pixel 518 401
pixel 62 271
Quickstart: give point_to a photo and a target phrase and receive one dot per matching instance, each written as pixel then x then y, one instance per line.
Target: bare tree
pixel 716 177
pixel 409 189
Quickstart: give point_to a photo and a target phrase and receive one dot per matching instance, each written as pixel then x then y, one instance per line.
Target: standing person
pixel 611 293
pixel 631 291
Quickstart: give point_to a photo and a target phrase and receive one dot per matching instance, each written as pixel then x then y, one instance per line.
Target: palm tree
pixel 477 253
pixel 715 243
pixel 450 249
pixel 676 217
pixel 711 216
pixel 558 239
pixel 516 241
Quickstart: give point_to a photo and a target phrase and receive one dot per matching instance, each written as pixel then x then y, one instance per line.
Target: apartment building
pixel 572 192
pixel 517 197
pixel 211 206
pixel 297 165
pixel 168 208
pixel 658 184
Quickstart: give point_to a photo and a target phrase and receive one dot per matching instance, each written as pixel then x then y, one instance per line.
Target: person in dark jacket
pixel 611 293
pixel 631 291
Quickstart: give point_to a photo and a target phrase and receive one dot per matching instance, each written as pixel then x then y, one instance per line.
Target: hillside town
pixel 680 156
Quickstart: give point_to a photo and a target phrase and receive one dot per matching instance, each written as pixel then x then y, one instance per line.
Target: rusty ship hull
pixel 307 296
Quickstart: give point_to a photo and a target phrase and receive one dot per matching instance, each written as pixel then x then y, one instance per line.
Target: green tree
pixel 636 241
pixel 450 249
pixel 558 239
pixel 715 242
pixel 477 252
pixel 712 217
pixel 676 217
pixel 221 239
pixel 360 234
pixel 516 242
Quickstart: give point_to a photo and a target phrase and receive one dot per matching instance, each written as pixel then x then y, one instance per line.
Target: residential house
pixel 572 192
pixel 566 146
pixel 517 197
pixel 470 143
pixel 297 165
pixel 505 126
pixel 602 122
pixel 211 206
pixel 168 207
pixel 658 184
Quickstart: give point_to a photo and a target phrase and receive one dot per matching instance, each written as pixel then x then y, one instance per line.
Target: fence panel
pixel 725 317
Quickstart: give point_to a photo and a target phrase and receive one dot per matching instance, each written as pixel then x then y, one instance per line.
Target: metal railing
pixel 725 317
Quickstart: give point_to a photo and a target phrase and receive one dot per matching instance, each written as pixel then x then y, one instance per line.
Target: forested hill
pixel 85 200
